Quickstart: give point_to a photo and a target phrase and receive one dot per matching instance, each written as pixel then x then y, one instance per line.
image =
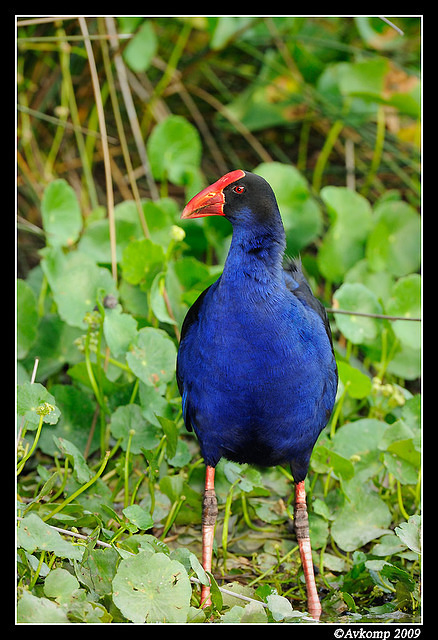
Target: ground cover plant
pixel 120 122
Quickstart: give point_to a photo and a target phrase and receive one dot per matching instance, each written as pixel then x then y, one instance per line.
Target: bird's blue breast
pixel 258 375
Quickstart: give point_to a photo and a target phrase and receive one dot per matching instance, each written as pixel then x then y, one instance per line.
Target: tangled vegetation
pixel 120 122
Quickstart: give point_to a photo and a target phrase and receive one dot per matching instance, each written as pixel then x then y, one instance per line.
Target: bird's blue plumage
pixel 255 367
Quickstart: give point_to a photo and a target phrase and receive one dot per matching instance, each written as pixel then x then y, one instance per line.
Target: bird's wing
pixel 189 320
pixel 298 285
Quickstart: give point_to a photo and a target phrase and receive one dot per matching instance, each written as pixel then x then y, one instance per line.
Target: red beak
pixel 210 201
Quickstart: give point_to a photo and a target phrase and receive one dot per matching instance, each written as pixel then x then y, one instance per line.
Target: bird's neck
pixel 256 254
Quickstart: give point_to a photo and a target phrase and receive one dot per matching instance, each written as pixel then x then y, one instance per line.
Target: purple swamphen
pixel 255 369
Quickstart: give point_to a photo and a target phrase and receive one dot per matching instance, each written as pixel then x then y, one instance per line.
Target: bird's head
pixel 239 196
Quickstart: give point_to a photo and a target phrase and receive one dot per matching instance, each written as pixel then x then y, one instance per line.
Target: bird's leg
pixel 301 524
pixel 209 514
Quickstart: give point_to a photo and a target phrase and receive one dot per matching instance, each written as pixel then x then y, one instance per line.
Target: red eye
pixel 239 188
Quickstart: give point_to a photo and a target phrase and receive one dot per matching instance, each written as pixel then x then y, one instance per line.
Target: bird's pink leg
pixel 209 514
pixel 301 524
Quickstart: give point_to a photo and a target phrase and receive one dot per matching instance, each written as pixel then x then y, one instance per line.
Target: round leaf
pixel 141 260
pixel 60 584
pixel 39 610
pixel 75 281
pixel 394 244
pixel 33 534
pixel 30 397
pixel 359 384
pixel 138 516
pixel 357 297
pixel 61 214
pixel 142 48
pixel 153 356
pixel 152 588
pixel 119 330
pixel 174 149
pixel 344 243
pixel 363 518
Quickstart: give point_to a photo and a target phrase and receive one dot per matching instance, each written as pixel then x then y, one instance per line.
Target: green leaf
pixel 404 471
pixel 357 297
pixel 129 418
pixel 279 606
pixel 35 534
pixel 158 304
pixel 98 569
pixel 61 214
pixel 365 78
pixel 405 301
pixel 224 28
pixel 340 465
pixel 30 397
pixel 35 610
pixel 95 241
pixel 359 437
pixel 141 260
pixel 191 563
pixel 172 486
pixel 171 433
pixel 54 346
pixel 152 588
pixel 152 358
pixel 394 244
pixel 174 149
pixel 358 384
pixel 410 533
pixel 247 477
pixel 77 411
pixel 141 49
pixel 60 584
pixel 138 516
pixel 27 318
pixel 119 329
pixel 82 472
pixel 344 243
pixel 363 518
pixel 75 281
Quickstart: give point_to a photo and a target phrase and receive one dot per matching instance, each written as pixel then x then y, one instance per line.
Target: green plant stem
pixel 337 411
pixel 126 467
pixel 42 296
pixel 65 68
pixel 134 391
pixel 173 513
pixel 90 371
pixel 81 489
pixel 378 149
pixel 63 481
pixel 136 488
pixel 323 157
pixel 270 570
pixel 227 515
pixel 32 449
pixel 37 571
pixel 400 502
pixel 169 71
pixel 247 518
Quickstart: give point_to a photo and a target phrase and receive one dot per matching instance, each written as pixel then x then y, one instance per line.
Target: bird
pixel 255 368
